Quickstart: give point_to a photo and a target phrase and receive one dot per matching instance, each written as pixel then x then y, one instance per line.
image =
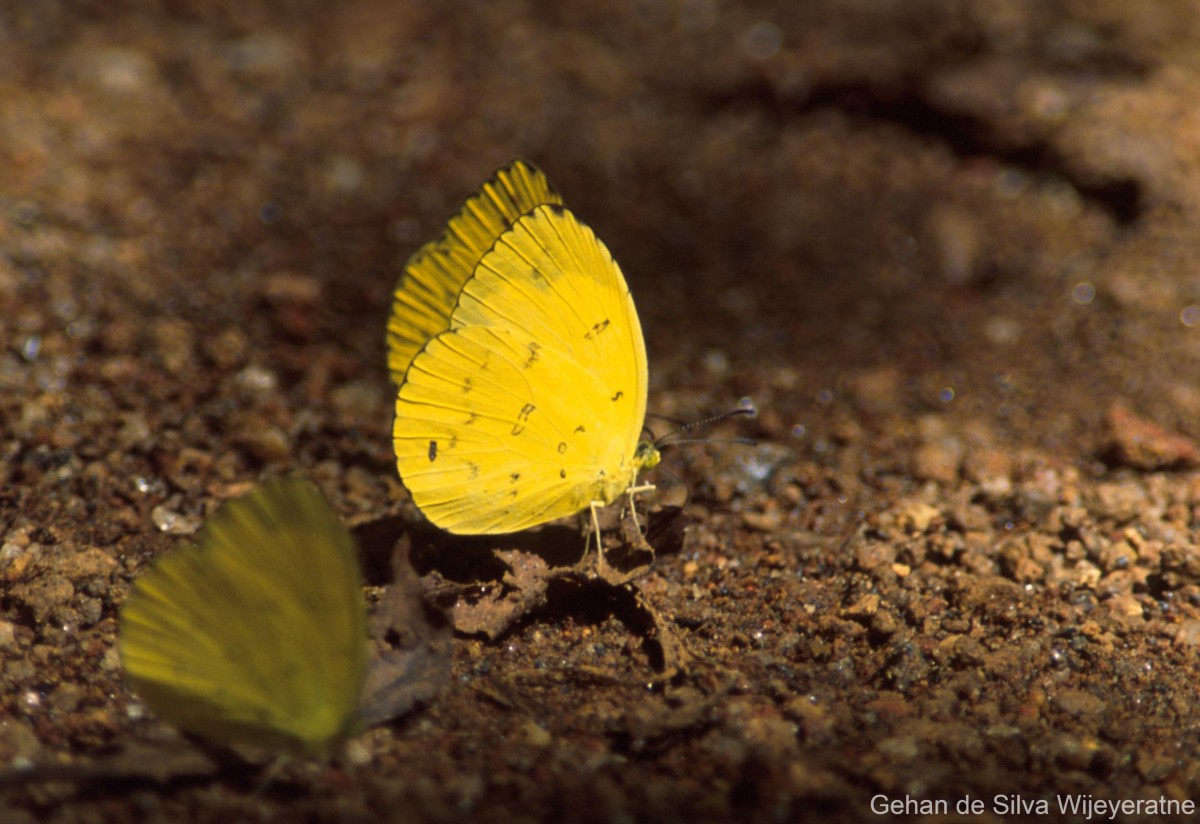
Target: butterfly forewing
pixel 433 277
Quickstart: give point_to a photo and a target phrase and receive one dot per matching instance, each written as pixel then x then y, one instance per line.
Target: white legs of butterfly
pixel 595 509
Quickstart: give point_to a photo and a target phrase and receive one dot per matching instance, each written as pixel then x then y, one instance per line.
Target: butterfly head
pixel 646 456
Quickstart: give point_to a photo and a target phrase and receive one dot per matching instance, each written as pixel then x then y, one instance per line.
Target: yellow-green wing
pixel 530 407
pixel 257 633
pixel 429 286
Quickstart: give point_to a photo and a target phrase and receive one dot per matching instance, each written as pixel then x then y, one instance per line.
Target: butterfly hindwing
pixel 480 449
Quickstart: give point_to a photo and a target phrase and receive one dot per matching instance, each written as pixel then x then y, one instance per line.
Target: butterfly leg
pixel 601 563
pixel 636 490
pixel 595 530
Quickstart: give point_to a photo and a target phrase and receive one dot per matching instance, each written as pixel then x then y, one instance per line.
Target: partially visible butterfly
pixel 520 363
pixel 256 633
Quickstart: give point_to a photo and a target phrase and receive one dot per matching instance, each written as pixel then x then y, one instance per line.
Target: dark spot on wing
pixel 523 418
pixel 596 329
pixel 534 354
pixel 432 451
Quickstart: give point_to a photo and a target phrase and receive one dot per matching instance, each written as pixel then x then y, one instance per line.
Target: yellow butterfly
pixel 257 633
pixel 525 400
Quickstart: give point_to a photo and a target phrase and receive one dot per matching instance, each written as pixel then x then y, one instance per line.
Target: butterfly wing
pixel 529 408
pixel 433 277
pixel 257 633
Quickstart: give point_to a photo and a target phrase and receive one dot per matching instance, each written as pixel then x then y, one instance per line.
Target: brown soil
pixel 950 250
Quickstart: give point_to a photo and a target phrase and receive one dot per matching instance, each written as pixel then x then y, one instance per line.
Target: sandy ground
pixel 950 250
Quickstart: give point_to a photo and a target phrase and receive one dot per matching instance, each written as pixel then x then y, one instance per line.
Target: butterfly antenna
pixel 667 418
pixel 684 441
pixel 745 407
pixel 648 433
